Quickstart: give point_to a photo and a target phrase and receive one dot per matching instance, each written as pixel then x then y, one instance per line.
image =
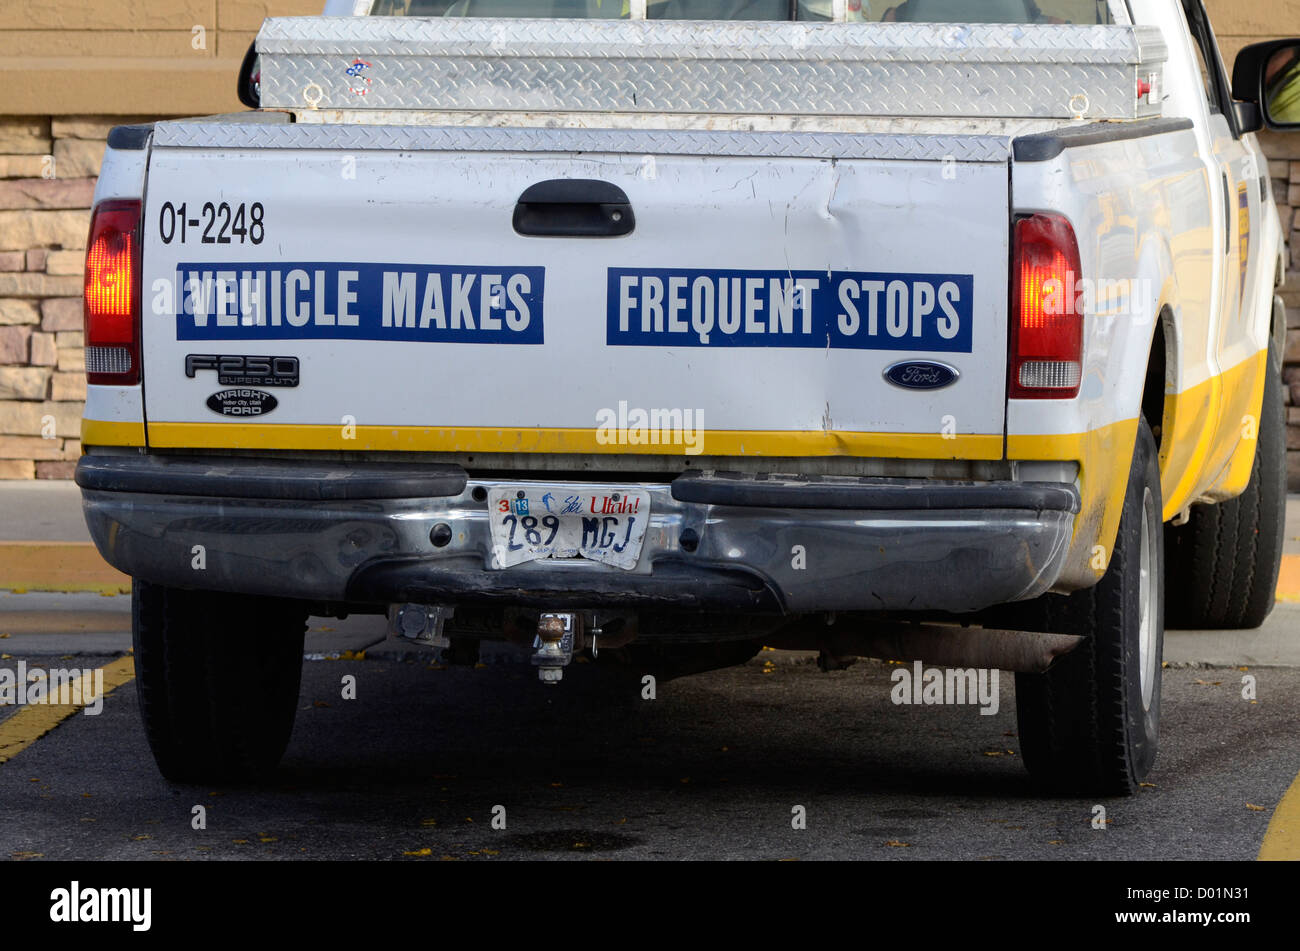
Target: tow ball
pixel 553 646
pixel 559 634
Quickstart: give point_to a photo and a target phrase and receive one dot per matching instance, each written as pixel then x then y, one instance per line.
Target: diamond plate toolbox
pixel 629 66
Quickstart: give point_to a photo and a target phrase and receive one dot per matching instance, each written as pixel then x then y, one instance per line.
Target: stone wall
pixel 70 71
pixel 47 178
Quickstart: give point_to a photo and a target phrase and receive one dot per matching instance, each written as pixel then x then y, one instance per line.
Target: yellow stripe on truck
pixel 548 440
pixel 1186 439
pixel 1233 458
pixel 102 432
pixel 1201 456
pixel 1195 459
pixel 1104 456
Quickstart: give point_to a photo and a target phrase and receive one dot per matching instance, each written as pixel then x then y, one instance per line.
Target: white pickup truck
pixel 940 330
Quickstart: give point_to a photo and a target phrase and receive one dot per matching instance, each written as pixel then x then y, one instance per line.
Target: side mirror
pixel 249 87
pixel 1268 75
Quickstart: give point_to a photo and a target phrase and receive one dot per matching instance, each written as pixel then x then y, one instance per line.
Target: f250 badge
pixel 921 374
pixel 237 370
pixel 242 402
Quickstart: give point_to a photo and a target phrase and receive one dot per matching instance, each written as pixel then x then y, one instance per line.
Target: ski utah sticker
pixel 847 310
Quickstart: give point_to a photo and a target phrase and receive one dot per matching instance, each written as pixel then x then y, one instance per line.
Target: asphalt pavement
pixel 717 766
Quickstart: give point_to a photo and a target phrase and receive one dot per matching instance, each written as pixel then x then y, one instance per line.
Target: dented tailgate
pixel 798 303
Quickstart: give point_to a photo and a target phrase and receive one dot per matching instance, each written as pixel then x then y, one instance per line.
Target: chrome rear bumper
pixel 365 533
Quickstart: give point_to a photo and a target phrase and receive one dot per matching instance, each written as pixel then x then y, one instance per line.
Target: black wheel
pixel 1224 562
pixel 217 677
pixel 1090 724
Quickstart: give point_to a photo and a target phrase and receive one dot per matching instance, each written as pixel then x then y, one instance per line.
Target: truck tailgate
pixel 767 295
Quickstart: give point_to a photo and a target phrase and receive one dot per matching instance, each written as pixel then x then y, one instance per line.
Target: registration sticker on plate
pixel 539 522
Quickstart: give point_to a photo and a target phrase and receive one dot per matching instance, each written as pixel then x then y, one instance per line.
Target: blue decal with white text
pixel 414 302
pixel 845 310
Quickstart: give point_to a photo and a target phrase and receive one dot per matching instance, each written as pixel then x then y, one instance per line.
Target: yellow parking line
pixel 1282 838
pixel 1288 579
pixel 32 722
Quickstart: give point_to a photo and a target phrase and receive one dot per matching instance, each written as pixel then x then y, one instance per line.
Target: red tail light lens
pixel 112 295
pixel 1047 327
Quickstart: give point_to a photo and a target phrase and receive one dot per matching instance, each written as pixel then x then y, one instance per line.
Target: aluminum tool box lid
pixel 675 67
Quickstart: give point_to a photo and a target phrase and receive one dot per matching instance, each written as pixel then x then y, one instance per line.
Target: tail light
pixel 1047 329
pixel 112 296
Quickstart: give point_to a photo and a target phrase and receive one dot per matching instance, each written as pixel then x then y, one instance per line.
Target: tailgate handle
pixel 574 208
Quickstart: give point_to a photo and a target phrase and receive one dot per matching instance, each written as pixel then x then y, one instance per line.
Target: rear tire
pixel 1224 562
pixel 1090 724
pixel 217 677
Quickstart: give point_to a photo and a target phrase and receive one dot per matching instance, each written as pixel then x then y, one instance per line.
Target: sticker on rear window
pixel 360 302
pixel 847 310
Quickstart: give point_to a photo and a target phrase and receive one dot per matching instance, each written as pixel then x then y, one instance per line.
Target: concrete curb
pixel 58 566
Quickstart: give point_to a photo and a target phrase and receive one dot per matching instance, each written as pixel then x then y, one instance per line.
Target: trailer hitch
pixel 557 635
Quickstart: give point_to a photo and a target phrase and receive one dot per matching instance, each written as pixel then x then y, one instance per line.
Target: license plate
pixel 531 524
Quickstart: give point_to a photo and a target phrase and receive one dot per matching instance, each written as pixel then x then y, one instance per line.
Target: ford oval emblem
pixel 921 374
pixel 242 402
